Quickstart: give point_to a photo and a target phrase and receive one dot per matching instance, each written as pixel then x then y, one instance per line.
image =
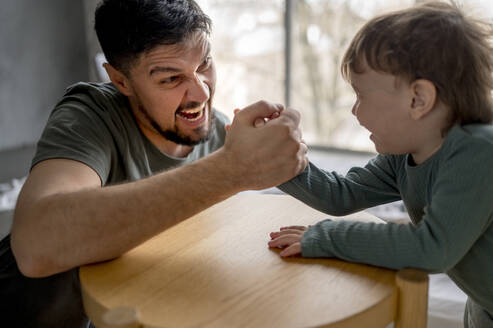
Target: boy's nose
pixel 353 110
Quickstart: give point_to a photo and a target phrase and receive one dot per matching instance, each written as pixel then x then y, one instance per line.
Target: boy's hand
pixel 288 238
pixel 259 121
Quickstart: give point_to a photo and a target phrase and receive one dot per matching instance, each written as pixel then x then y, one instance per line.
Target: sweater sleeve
pixel 334 194
pixel 460 211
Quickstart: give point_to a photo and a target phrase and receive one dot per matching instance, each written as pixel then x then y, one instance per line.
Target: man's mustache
pixel 190 105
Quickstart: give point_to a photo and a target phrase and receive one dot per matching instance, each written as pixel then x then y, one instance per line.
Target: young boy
pixel 423 80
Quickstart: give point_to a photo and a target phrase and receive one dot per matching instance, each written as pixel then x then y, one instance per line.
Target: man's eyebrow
pixel 164 69
pixel 168 69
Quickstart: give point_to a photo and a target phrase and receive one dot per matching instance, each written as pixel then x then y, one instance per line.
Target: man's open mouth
pixel 193 114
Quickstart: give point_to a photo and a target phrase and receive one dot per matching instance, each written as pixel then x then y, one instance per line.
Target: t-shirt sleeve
pixel 75 132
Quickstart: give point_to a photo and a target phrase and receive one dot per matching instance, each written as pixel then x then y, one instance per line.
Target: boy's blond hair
pixel 433 41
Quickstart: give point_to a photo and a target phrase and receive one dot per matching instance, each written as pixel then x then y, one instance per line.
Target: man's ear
pixel 424 96
pixel 120 80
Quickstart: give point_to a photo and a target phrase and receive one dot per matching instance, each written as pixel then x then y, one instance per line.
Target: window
pixel 248 48
pixel 253 61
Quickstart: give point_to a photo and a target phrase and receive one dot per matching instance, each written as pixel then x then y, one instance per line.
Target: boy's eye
pixel 206 63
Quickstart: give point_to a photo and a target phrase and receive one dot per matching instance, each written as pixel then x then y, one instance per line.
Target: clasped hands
pixel 264 145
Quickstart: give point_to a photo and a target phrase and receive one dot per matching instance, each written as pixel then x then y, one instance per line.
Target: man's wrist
pixel 223 162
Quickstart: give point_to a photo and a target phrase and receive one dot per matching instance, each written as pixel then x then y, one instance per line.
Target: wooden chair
pixel 409 311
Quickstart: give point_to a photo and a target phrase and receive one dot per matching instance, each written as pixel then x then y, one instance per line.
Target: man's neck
pixel 165 146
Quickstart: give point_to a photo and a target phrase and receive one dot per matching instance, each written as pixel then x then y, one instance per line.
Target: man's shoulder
pixel 93 95
pixel 92 89
pixel 104 88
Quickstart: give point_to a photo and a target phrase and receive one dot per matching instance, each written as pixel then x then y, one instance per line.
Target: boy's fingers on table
pixel 276 234
pixel 285 240
pixel 292 250
pixel 292 232
pixel 294 227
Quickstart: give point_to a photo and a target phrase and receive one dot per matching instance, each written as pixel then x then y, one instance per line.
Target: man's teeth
pixel 192 111
pixel 193 114
pixel 196 118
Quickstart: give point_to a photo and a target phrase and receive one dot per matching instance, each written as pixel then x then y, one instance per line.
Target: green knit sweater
pixel 449 198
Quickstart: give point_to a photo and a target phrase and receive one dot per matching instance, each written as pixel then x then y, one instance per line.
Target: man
pixel 119 163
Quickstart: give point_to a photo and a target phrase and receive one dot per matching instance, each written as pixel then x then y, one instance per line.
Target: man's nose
pixel 198 90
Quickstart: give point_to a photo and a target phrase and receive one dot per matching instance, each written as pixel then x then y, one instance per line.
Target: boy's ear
pixel 424 96
pixel 119 80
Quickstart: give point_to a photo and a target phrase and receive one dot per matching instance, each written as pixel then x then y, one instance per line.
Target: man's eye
pixel 170 81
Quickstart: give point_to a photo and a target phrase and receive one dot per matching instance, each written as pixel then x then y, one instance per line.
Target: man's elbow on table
pixel 31 266
pixel 30 259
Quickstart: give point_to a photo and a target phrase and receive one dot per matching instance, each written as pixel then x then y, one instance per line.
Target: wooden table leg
pixel 122 317
pixel 412 303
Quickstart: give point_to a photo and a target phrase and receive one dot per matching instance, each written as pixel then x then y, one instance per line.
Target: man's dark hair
pixel 437 42
pixel 128 28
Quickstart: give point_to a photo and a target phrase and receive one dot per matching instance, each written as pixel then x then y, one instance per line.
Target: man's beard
pixel 203 133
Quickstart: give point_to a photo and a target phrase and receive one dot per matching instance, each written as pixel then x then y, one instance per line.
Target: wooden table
pixel 215 270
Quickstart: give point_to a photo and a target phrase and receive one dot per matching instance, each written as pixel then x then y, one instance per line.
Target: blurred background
pixel 285 51
pixel 289 51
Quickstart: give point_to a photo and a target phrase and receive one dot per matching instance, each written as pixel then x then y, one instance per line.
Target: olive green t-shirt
pixel 93 124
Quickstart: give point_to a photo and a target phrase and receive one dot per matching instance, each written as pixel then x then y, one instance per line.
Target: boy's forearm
pixel 335 194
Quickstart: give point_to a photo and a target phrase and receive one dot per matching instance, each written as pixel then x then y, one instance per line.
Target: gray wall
pixel 42 51
pixel 92 42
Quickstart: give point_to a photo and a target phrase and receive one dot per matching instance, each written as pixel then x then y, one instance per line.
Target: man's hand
pixel 263 151
pixel 288 238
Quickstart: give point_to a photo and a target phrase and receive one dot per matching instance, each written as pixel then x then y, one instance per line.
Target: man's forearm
pixel 98 224
pixel 63 220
